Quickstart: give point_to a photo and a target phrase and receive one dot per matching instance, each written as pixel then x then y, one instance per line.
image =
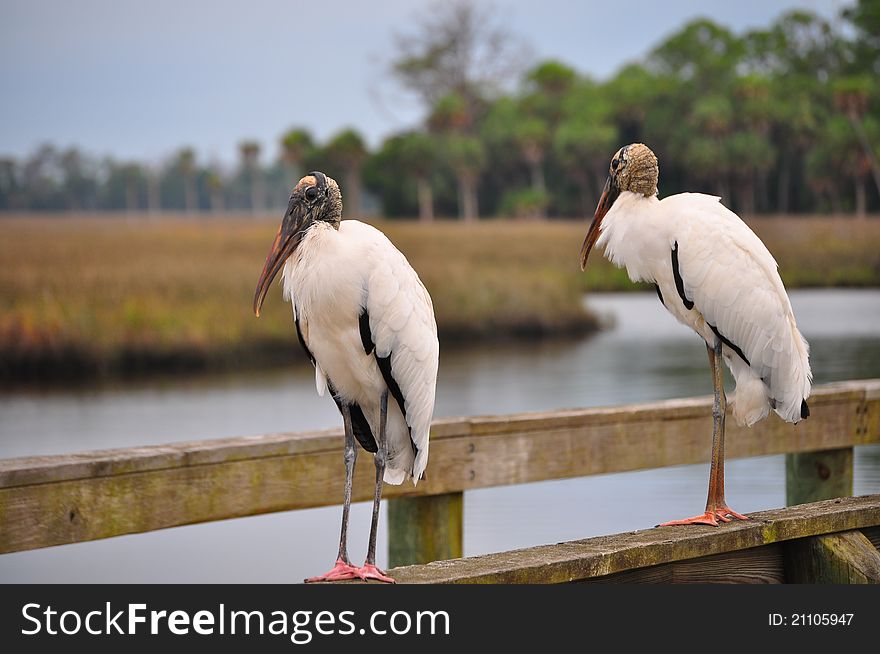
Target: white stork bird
pixel 367 323
pixel 714 275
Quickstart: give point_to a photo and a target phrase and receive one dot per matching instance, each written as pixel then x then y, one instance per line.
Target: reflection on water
pixel 645 356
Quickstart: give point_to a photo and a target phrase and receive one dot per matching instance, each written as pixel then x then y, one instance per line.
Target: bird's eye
pixel 311 193
pixel 614 164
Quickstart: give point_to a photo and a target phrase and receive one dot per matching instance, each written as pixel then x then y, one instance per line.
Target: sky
pixel 139 79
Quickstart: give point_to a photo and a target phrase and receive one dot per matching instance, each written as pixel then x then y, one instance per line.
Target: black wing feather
pixel 302 341
pixel 385 368
pixel 366 334
pixel 729 343
pixel 679 282
pixel 359 424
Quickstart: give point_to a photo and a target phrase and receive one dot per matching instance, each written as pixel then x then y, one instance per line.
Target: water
pixel 644 356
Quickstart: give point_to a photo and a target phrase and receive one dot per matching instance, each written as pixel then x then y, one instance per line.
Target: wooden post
pixel 424 529
pixel 814 476
pixel 844 558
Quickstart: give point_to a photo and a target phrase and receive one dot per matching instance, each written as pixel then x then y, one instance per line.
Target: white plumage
pixel 715 276
pixel 733 282
pixel 367 323
pixel 334 276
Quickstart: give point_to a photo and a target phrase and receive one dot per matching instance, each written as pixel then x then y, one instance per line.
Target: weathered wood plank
pixel 814 476
pixel 605 555
pixel 845 414
pixel 47 501
pixel 758 565
pixel 844 558
pixel 873 535
pixel 425 529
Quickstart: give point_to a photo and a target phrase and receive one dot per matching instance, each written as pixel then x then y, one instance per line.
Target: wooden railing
pixel 46 501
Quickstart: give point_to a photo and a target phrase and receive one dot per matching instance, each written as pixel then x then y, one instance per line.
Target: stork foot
pixel 340 572
pixel 370 571
pixel 710 517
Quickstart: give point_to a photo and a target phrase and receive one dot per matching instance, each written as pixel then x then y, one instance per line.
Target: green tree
pixel 79 183
pixel 250 164
pixel 347 151
pixel 419 156
pixel 750 149
pixel 582 147
pixel 865 18
pixel 702 56
pixel 851 98
pixel 467 158
pixel 11 192
pixel 296 145
pixel 186 167
pixel 644 105
pixel 133 178
pixel 214 183
pixel 509 123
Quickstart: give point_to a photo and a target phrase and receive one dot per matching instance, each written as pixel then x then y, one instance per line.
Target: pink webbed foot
pixel 710 517
pixel 340 572
pixel 370 571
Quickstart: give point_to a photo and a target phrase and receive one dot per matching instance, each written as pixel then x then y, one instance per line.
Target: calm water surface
pixel 643 355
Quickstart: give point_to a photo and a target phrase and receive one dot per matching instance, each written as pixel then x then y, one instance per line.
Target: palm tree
pixel 295 146
pixel 214 182
pixel 250 156
pixel 418 154
pixel 186 164
pixel 582 145
pixel 750 150
pixel 348 151
pixel 132 175
pixel 467 158
pixel 154 190
pixel 518 136
pixel 851 98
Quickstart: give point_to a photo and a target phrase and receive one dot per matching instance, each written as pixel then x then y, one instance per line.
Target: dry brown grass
pixel 821 252
pixel 85 294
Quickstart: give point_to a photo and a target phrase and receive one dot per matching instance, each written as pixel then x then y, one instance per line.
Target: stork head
pixel 633 168
pixel 315 199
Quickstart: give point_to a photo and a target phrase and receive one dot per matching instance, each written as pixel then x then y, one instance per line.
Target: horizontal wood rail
pixel 771 547
pixel 53 500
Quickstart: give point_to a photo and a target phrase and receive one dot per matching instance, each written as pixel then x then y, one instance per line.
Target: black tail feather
pixel 805 410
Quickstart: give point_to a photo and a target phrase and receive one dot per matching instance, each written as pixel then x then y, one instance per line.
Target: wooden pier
pixel 47 501
pixel 832 541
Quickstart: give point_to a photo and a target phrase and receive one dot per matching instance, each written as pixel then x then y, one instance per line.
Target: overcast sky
pixel 138 79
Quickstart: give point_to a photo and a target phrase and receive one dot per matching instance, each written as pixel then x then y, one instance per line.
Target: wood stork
pixel 716 276
pixel 366 322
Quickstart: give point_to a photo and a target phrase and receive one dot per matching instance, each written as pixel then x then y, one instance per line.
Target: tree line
pixel 777 120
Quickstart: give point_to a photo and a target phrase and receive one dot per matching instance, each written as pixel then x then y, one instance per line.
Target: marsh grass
pixel 85 295
pixel 89 295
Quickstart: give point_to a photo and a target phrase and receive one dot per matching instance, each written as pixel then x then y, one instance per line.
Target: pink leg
pixel 370 571
pixel 339 572
pixel 716 506
pixel 343 569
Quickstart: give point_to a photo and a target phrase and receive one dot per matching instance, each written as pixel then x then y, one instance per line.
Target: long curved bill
pixel 609 195
pixel 289 235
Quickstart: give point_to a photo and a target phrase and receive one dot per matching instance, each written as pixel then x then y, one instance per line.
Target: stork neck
pixel 630 211
pixel 629 201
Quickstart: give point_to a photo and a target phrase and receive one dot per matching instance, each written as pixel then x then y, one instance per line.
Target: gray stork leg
pixel 716 505
pixel 369 570
pixel 343 568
